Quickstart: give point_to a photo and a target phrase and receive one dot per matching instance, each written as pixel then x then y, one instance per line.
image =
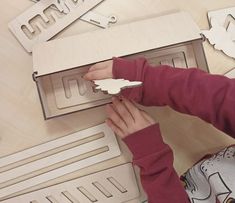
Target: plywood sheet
pixel 122 40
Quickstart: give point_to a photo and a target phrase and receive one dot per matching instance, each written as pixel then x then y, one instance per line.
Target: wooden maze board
pixel 47 18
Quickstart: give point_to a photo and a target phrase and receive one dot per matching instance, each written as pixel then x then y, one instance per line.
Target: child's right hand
pixel 100 71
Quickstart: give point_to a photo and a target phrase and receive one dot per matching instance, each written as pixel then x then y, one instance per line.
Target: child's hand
pixel 124 118
pixel 100 71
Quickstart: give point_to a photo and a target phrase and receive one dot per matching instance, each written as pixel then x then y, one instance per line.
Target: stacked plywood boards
pixel 59 64
pixel 54 159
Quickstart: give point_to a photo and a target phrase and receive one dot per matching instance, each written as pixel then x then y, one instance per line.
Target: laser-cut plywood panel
pixel 47 18
pixel 225 18
pixel 114 185
pixel 71 89
pixel 120 41
pixel 181 56
pixel 56 158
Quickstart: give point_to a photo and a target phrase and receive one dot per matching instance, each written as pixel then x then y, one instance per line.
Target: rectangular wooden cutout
pixel 114 185
pixel 42 21
pixel 56 158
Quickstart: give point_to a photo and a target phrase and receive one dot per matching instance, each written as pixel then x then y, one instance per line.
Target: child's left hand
pixel 124 118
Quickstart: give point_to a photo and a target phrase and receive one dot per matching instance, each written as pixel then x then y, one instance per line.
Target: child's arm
pixel 155 159
pixel 191 91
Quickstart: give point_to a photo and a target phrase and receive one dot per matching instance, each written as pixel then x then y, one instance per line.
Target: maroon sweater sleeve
pixel 191 91
pixel 155 159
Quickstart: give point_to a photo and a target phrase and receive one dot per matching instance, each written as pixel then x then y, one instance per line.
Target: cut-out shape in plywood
pixel 56 158
pixel 42 21
pixel 220 38
pixel 114 86
pixel 230 74
pixel 224 18
pixel 71 89
pixel 222 32
pixel 114 185
pixel 95 18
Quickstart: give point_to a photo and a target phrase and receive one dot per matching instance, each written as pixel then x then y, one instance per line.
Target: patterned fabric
pixel 212 180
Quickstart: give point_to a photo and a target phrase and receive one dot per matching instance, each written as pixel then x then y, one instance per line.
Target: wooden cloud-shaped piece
pixel 114 86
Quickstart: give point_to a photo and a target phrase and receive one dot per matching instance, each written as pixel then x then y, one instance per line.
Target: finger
pixel 123 111
pixel 98 75
pixel 116 119
pixel 148 117
pixel 132 108
pixel 101 65
pixel 114 128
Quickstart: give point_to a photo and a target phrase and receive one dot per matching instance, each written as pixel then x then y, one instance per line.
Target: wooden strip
pixel 109 140
pixel 42 21
pixel 39 149
pixel 123 189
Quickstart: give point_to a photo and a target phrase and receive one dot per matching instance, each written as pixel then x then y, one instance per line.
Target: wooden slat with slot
pixel 90 152
pixel 122 187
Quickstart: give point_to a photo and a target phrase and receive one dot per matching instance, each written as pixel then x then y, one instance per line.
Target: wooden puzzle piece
pixel 114 86
pixel 220 38
pixel 42 21
pixel 56 158
pixel 71 89
pixel 114 185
